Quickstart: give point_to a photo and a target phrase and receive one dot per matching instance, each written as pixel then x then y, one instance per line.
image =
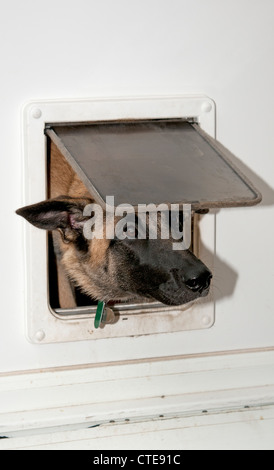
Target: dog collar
pixel 103 314
pixel 99 313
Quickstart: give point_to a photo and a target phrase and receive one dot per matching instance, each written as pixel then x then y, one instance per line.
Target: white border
pixel 41 325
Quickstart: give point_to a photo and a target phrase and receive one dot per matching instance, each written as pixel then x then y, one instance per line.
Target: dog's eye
pixel 130 231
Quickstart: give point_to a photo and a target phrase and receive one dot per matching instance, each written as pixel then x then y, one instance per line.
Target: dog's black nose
pixel 199 283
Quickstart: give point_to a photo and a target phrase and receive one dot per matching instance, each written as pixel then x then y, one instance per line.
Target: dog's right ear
pixel 63 213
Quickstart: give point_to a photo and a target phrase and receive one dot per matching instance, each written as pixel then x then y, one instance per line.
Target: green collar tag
pixel 99 316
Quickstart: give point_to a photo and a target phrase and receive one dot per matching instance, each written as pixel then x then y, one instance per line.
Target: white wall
pixel 225 49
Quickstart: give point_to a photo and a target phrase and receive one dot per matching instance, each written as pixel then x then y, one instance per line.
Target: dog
pixel 110 269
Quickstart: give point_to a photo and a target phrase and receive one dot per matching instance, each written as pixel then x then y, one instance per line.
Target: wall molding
pixel 34 403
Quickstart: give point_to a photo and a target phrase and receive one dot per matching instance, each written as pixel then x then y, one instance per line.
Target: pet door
pixel 139 151
pixel 140 163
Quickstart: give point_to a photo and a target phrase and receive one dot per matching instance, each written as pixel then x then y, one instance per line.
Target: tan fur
pixel 98 250
pixel 64 181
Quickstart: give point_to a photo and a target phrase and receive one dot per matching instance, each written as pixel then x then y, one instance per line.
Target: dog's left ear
pixel 63 213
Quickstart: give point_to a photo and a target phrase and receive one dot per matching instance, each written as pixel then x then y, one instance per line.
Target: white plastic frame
pixel 42 324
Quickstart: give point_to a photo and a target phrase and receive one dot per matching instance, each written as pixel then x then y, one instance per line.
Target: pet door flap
pixel 153 161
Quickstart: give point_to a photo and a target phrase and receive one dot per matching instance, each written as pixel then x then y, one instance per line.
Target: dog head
pixel 118 269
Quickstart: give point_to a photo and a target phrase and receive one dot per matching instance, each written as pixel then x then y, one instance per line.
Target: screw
pixel 206 320
pixel 206 107
pixel 36 113
pixel 39 335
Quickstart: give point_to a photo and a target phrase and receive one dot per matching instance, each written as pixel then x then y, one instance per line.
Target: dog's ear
pixel 63 213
